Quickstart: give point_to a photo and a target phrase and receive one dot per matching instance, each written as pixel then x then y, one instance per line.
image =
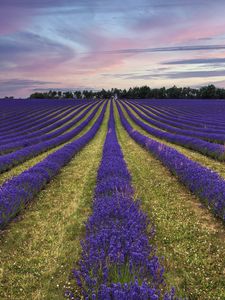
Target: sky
pixel 95 44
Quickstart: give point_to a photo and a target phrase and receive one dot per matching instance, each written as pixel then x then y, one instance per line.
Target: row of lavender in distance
pixel 35 111
pixel 40 136
pixel 198 120
pixel 48 125
pixel 21 189
pixel 175 122
pixel 212 150
pixel 27 121
pixel 203 182
pixel 205 135
pixel 10 108
pixel 117 261
pixel 183 122
pixel 22 115
pixel 28 127
pixel 204 112
pixel 10 160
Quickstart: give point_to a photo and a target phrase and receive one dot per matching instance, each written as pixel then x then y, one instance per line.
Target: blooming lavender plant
pixel 179 122
pixel 205 183
pixel 8 161
pixel 215 151
pixel 29 127
pixel 21 189
pixel 202 114
pixel 40 136
pixel 28 120
pixel 117 261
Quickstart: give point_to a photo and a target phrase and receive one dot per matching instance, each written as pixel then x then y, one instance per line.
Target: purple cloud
pixel 168 49
pixel 17 85
pixel 29 51
pixel 195 61
pixel 177 75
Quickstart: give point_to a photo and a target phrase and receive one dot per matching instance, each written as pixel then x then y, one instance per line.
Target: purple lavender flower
pixel 117 260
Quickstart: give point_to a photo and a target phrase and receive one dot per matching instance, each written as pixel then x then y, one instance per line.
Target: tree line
pixel 143 92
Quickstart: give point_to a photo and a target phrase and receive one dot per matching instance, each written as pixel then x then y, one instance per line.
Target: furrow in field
pixel 212 150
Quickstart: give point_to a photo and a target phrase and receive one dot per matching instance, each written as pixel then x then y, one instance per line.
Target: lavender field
pixel 112 199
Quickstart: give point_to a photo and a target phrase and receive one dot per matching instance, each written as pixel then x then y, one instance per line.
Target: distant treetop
pixel 143 92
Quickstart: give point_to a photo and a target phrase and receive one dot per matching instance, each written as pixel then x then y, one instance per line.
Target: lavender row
pixel 40 122
pixel 117 260
pixel 21 189
pixel 214 151
pixel 8 161
pixel 43 127
pixel 34 110
pixel 201 133
pixel 27 121
pixel 39 137
pixel 189 121
pixel 203 182
pixel 180 124
pixel 207 112
pixel 16 114
pixel 218 138
pixel 193 110
pixel 13 109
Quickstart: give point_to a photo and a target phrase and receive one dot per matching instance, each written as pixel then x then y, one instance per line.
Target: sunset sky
pixel 94 44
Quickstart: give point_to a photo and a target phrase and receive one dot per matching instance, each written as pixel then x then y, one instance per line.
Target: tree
pixel 143 92
pixel 68 95
pixel 208 92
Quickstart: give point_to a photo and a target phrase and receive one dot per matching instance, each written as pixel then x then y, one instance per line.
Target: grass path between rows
pixel 37 251
pixel 189 238
pixel 204 160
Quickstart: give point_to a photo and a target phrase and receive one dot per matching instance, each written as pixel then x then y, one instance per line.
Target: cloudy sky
pixel 71 44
